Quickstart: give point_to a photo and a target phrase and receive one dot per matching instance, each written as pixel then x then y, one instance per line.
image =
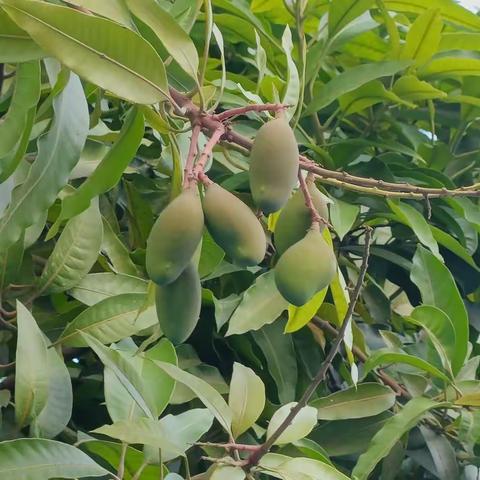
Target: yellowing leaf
pixel 298 317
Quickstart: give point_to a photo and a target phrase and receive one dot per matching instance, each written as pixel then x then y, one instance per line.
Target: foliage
pixel 109 109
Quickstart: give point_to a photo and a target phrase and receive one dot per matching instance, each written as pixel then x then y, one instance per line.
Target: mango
pixel 178 305
pixel 175 237
pixel 305 268
pixel 234 226
pixel 273 165
pixel 295 218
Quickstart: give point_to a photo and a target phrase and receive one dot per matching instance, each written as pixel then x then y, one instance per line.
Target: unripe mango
pixel 234 226
pixel 174 237
pixel 178 305
pixel 305 268
pixel 295 218
pixel 273 165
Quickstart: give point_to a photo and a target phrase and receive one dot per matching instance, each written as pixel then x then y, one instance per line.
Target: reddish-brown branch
pixel 207 151
pixel 255 457
pixel 235 112
pixel 192 152
pixel 316 217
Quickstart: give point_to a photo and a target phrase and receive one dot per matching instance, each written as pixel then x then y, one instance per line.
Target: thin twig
pixel 192 152
pixel 316 217
pixel 255 457
pixel 121 463
pixel 239 447
pixel 207 151
pixel 235 112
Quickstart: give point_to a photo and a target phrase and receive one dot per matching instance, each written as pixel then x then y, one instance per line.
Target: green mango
pixel 273 165
pixel 305 268
pixel 234 226
pixel 178 305
pixel 295 218
pixel 174 237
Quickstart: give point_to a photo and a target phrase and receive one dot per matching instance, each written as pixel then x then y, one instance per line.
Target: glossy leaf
pixel 345 11
pixel 39 459
pixel 298 317
pixel 246 398
pixel 75 253
pixel 112 9
pixel 365 400
pixel 118 60
pixel 300 427
pixel 390 433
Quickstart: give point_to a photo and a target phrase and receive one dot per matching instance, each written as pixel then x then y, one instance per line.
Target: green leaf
pixel 287 468
pixel 365 400
pixel 300 427
pixel 10 263
pixel 459 41
pixel 58 152
pixel 343 216
pixel 443 454
pixel 155 381
pixel 450 67
pixel 227 472
pixel 390 433
pixel 351 79
pixel 172 434
pixel 246 398
pixel 108 172
pixel 15 44
pixel 38 459
pixel 410 216
pixel 126 373
pixel 411 89
pixel 103 52
pixel 75 253
pixel 298 317
pixel 438 288
pixel 43 390
pixel 261 305
pixel 343 12
pixel 109 320
pixel 25 97
pixel 205 392
pixel 96 287
pixel 449 10
pixel 384 356
pixel 279 352
pixel 423 37
pixel 112 9
pixel 174 38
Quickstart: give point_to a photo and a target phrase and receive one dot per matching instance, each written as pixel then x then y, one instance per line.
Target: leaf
pixel 172 434
pixel 75 253
pixel 58 152
pixel 438 288
pixel 351 79
pixel 10 263
pixel 411 89
pixel 108 172
pixel 343 216
pixel 289 468
pixel 459 41
pixel 96 287
pixel 442 453
pixel 109 320
pixel 173 37
pixel 423 37
pixel 469 400
pixel 384 356
pixel 292 88
pixel 261 304
pixel 279 352
pixel 112 9
pixel 449 10
pixel 155 382
pixel 298 317
pixel 450 67
pixel 344 12
pixel 38 459
pixel 105 53
pixel 125 372
pixel 25 96
pixel 205 392
pixel 390 433
pixel 365 400
pixel 414 219
pixel 246 398
pixel 300 426
pixel 227 472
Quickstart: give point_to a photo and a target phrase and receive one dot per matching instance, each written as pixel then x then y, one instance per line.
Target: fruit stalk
pixel 207 151
pixel 255 457
pixel 316 217
pixel 192 152
pixel 265 107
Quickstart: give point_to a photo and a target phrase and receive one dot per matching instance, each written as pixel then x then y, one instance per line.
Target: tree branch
pixel 255 457
pixel 234 112
pixel 192 152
